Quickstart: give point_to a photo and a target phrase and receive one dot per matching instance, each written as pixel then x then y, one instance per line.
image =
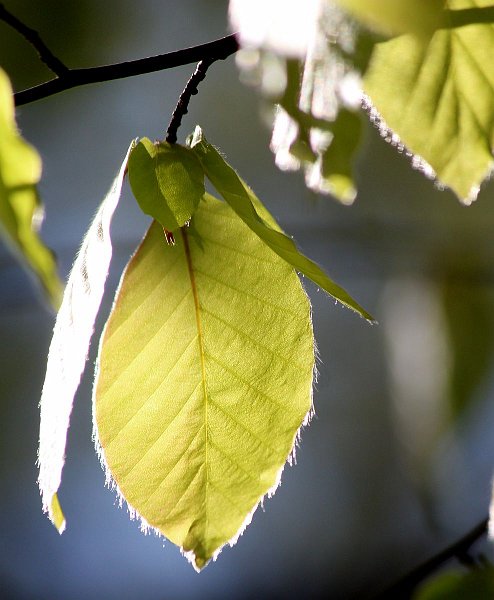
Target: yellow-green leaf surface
pixel 70 345
pixel 204 378
pixel 397 16
pixel 167 181
pixel 20 208
pixel 251 210
pixel 438 96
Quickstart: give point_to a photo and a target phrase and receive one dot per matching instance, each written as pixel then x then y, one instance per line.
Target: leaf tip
pixel 56 515
pixel 353 305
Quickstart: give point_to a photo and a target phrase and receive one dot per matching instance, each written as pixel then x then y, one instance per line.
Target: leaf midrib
pixel 200 337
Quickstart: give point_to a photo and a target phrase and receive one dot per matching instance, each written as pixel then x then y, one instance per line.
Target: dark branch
pixel 183 102
pixel 215 50
pixel 460 550
pixel 32 36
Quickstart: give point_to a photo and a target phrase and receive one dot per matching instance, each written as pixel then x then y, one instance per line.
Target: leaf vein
pixel 254 341
pixel 177 462
pixel 237 251
pixel 242 426
pixel 473 61
pixel 151 394
pixel 247 383
pixel 162 433
pixel 234 462
pixel 263 301
pixel 157 285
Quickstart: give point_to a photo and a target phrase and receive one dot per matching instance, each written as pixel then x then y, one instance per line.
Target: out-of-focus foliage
pixel 314 93
pixel 476 585
pixel 430 88
pixel 21 212
pixel 469 316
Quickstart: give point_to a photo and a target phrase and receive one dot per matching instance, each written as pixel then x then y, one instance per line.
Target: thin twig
pixel 216 50
pixel 33 37
pixel 459 549
pixel 183 102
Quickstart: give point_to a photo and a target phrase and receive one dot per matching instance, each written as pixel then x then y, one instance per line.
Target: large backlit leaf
pixel 244 202
pixel 438 97
pixel 20 209
pixel 69 348
pixel 167 181
pixel 204 378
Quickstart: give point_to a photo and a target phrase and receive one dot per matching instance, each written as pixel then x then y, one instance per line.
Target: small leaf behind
pixel 20 208
pixel 167 181
pixel 69 348
pixel 247 206
pixel 204 378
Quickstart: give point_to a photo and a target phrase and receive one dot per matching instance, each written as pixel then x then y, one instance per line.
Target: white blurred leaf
pixel 306 59
pixel 286 26
pixel 69 347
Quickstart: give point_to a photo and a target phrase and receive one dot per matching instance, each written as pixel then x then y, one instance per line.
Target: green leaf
pixel 398 16
pixel 337 161
pixel 167 181
pixel 204 378
pixel 438 97
pixel 244 202
pixel 469 314
pixel 20 208
pixel 70 345
pixel 455 585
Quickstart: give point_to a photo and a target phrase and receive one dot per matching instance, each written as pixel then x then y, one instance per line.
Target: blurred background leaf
pixel 21 212
pixel 469 312
pixel 477 585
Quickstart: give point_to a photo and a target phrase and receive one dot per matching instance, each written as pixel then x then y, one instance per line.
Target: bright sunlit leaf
pixel 204 378
pixel 438 98
pixel 70 345
pixel 167 181
pixel 245 203
pixel 21 212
